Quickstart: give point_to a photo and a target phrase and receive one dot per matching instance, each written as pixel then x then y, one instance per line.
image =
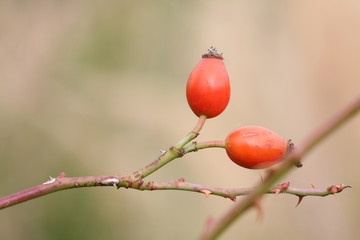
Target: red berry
pixel 208 86
pixel 255 147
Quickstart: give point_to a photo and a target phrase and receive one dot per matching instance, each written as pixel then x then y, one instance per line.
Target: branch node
pixel 110 182
pixel 150 185
pixel 195 133
pixel 179 151
pixel 280 188
pixel 195 146
pixel 181 180
pixel 61 175
pixel 97 182
pixel 137 184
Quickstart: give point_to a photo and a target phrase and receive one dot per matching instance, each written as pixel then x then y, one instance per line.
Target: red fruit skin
pixel 255 147
pixel 208 87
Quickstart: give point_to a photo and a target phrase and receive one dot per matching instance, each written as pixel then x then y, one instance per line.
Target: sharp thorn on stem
pixel 261 177
pixel 51 180
pixel 299 201
pixel 260 210
pixel 206 192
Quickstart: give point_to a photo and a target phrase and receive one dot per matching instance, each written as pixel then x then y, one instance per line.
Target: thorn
pixel 162 151
pixel 300 200
pixel 276 191
pixel 261 177
pixel 206 192
pixel 232 198
pixel 51 180
pixel 313 185
pixel 260 210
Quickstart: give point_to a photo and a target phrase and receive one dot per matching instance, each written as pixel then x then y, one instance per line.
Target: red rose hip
pixel 255 147
pixel 208 86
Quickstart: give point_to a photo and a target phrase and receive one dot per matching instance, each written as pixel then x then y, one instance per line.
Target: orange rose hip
pixel 255 147
pixel 208 86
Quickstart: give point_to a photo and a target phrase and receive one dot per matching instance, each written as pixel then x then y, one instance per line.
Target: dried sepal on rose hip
pixel 208 86
pixel 256 147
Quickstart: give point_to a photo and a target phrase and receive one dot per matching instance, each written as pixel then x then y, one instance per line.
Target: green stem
pixel 193 134
pixel 171 154
pixel 193 147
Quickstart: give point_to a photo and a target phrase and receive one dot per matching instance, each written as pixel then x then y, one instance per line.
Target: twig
pixel 57 184
pixel 213 231
pixel 172 153
pixel 232 193
pixel 62 182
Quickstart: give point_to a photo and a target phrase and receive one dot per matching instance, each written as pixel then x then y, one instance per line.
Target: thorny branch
pixel 275 174
pixel 61 182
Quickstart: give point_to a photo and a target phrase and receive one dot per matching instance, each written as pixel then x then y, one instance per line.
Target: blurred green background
pixel 98 88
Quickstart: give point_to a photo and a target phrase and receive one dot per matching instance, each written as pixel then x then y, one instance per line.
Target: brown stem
pixel 62 182
pixel 57 184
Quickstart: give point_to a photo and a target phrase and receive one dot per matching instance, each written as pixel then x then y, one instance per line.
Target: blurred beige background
pixel 97 88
